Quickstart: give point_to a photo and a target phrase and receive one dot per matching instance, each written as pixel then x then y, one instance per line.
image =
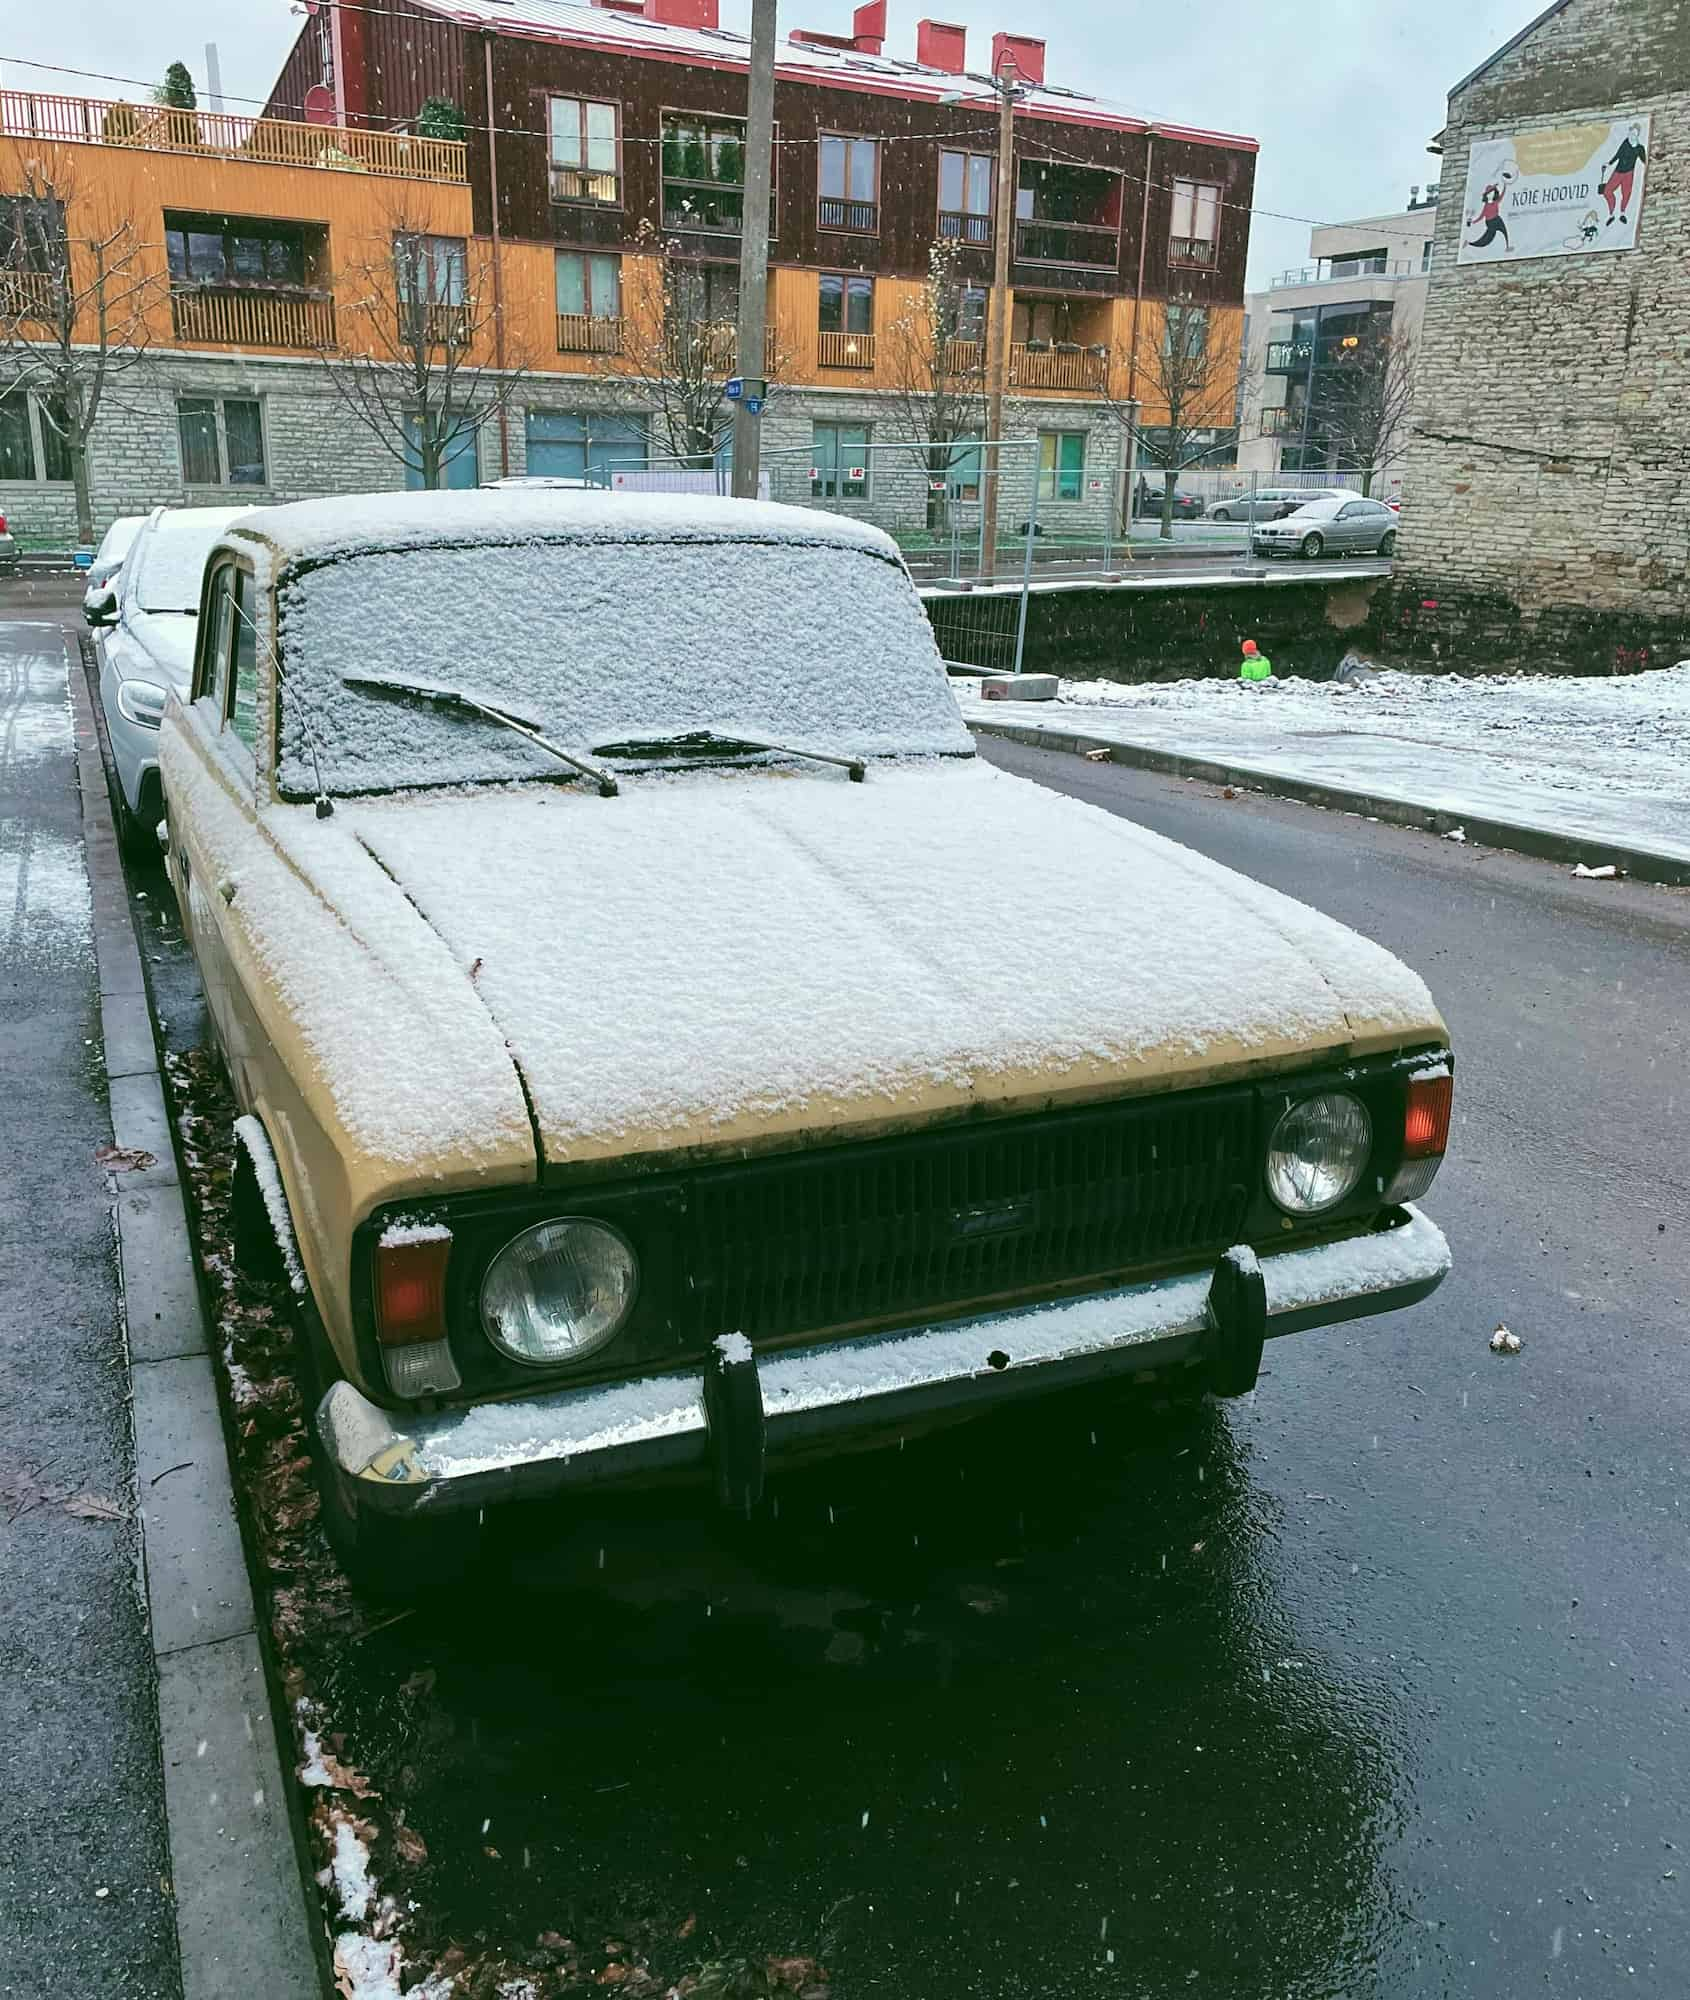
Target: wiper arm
pixel 712 739
pixel 456 699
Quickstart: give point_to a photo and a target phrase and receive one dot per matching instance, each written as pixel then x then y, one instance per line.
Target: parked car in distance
pixel 8 548
pixel 147 649
pixel 631 1092
pixel 99 600
pixel 1340 524
pixel 1268 503
pixel 1188 506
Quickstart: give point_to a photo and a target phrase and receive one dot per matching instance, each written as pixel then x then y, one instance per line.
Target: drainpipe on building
pixel 1143 240
pixel 498 260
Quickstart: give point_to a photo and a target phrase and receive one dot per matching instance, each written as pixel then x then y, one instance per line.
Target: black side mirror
pixel 101 614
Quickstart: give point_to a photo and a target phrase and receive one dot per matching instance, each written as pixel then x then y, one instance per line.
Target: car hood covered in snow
pixel 730 958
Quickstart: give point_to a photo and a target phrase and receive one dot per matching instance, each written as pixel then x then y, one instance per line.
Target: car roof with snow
pixel 311 531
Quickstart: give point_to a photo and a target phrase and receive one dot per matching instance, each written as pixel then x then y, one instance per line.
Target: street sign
pixel 735 388
pixel 755 405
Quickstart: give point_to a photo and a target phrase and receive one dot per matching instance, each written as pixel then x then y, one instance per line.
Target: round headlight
pixel 558 1292
pixel 1318 1152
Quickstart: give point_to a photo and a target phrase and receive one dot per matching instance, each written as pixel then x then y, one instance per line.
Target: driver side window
pixel 220 626
pixel 243 704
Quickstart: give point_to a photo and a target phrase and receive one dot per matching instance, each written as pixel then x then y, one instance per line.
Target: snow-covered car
pixel 1338 524
pixel 663 1046
pixel 99 599
pixel 147 649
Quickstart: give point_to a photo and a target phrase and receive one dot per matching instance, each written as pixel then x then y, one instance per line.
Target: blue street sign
pixel 735 388
pixel 755 405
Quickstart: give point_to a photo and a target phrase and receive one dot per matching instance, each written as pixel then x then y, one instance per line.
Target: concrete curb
pixel 1641 862
pixel 242 1923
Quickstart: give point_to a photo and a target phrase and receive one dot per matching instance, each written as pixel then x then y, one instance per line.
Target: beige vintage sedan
pixel 664 1047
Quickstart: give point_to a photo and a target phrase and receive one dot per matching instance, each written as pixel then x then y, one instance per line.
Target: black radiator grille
pixel 902 1227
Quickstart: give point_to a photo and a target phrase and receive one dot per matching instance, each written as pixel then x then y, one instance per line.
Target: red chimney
pixel 684 13
pixel 940 46
pixel 1028 52
pixel 868 27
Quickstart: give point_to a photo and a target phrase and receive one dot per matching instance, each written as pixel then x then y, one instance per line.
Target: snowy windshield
pixel 816 647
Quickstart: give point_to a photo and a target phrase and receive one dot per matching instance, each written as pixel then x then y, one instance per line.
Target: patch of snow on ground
pixel 367 1968
pixel 1604 758
pixel 350 1867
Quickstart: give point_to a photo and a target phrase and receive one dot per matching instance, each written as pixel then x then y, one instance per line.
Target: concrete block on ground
pixel 140 1121
pixel 196 1570
pixel 240 1903
pixel 160 1291
pixel 1019 687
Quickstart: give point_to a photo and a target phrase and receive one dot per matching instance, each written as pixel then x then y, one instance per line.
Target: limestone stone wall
pixel 1546 505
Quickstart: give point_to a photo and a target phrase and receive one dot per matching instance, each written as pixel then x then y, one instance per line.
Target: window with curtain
pixel 965 195
pixel 1195 226
pixel 221 440
pixel 848 176
pixel 1062 464
pixel 589 284
pixel 846 303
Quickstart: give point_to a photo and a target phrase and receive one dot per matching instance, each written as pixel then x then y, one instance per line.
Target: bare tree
pixel 678 347
pixel 1193 375
pixel 414 357
pixel 935 362
pixel 77 284
pixel 1362 402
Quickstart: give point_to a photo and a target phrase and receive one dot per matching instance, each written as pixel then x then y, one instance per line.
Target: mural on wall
pixel 1558 192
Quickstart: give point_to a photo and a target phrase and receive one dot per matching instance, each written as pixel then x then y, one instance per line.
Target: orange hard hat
pixel 1249 649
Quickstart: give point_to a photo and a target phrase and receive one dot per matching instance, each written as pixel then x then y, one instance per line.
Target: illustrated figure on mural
pixel 1619 175
pixel 1490 213
pixel 1588 231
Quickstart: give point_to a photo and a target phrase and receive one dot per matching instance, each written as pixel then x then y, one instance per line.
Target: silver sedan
pixel 1334 525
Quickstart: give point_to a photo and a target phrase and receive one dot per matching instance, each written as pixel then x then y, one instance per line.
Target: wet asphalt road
pixel 1373 1686
pixel 84 1891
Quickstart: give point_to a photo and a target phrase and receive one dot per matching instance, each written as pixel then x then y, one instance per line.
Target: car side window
pixel 1350 511
pixel 243 705
pixel 220 621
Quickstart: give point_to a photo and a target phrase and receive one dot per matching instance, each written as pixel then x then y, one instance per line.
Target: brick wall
pixel 1546 503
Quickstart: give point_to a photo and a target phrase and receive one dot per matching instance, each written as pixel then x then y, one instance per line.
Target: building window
pixel 965 195
pixel 589 302
pixel 34 437
pixel 429 283
pixel 222 439
pixel 569 444
pixel 1044 322
pixel 1062 464
pixel 1195 228
pixel 1185 329
pixel 704 172
pixel 845 321
pixel 32 253
pixel 839 461
pixel 585 160
pixel 226 250
pixel 849 181
pixel 460 466
pixel 971 313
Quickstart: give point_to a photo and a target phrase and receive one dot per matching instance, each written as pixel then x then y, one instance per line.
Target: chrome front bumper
pixel 398 1463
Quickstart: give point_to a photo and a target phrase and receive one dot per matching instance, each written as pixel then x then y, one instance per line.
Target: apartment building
pixel 1364 286
pixel 603 150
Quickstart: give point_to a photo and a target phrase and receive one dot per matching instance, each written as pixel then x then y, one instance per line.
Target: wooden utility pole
pixel 754 244
pixel 997 321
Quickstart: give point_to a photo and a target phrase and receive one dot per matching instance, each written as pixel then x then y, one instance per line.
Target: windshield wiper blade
pixel 455 698
pixel 714 739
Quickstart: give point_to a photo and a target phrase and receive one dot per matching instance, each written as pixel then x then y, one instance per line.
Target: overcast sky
pixel 1342 94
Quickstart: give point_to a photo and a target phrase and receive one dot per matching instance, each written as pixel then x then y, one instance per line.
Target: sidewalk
pixel 145 1843
pixel 1580 770
pixel 85 1904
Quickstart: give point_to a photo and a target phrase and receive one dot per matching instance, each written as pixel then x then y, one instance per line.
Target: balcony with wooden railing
pixel 1084 245
pixel 588 333
pixel 229 316
pixel 434 324
pixel 26 295
pixel 862 216
pixel 277 142
pixel 1072 368
pixel 845 350
pixel 962 226
pixel 964 357
pixel 717 349
pixel 1192 252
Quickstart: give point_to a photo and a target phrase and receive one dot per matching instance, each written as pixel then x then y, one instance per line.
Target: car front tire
pixel 1221 514
pixel 1312 546
pixel 1388 542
